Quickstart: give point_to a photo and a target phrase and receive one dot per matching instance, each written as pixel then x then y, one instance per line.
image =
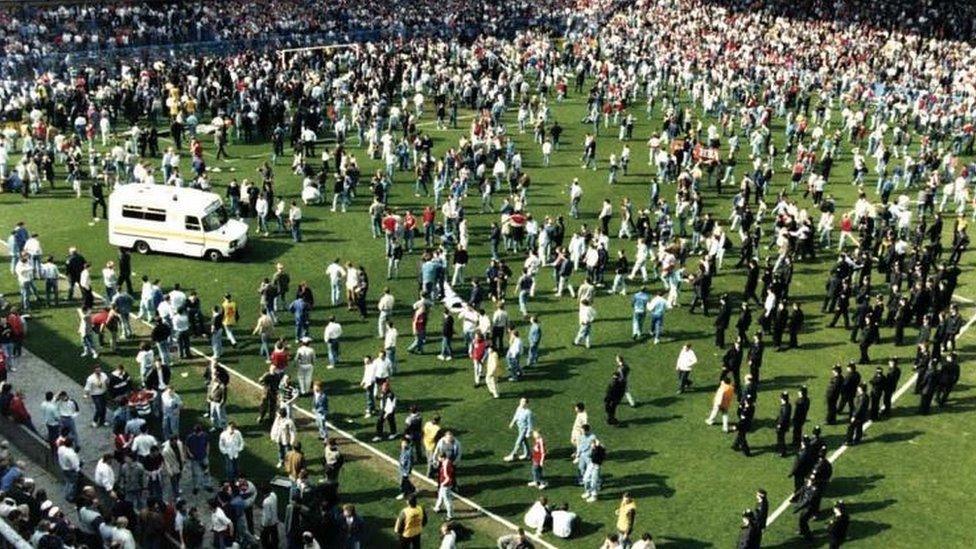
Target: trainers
pixel 591 499
pixel 94 425
pixel 531 483
pixel 509 457
pixel 367 415
pixel 377 438
pixel 399 496
pixel 585 495
pixel 280 464
pixel 542 486
pixel 391 437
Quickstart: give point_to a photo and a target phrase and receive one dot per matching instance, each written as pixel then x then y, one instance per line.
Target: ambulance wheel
pixel 142 247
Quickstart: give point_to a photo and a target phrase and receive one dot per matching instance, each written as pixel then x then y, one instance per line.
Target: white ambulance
pixel 175 220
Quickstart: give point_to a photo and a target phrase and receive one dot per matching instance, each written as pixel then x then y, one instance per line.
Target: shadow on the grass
pixel 844 487
pixel 683 543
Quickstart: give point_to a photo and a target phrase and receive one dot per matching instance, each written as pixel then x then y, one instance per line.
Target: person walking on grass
pixel 523 421
pixel 591 478
pixel 587 314
pixel 538 460
pixel 686 361
pixel 410 524
pixel 492 371
pixel 445 485
pixel 721 403
pixel 405 465
pixel 305 362
pixel 387 413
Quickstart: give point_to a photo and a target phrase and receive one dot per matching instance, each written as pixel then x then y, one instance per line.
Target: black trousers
pixel 390 421
pixel 741 443
pixel 781 441
pixel 855 431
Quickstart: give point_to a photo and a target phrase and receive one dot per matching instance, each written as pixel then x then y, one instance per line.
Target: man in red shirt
pixel 538 459
pixel 445 486
pixel 409 229
pixel 428 220
pixel 279 357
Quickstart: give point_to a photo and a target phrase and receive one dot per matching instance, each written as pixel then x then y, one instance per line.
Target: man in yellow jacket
pixel 231 316
pixel 626 515
pixel 410 523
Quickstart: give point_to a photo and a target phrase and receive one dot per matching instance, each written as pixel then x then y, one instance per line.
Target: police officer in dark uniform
pixel 876 384
pixel 722 320
pixel 755 357
pixel 801 407
pixel 795 325
pixel 746 413
pixel 745 320
pixel 838 525
pixel 834 390
pixel 849 388
pixel 842 306
pixel 890 386
pixel 783 422
pixel 732 362
pixel 806 458
pixel 859 415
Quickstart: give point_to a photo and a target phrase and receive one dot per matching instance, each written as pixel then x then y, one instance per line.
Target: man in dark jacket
pixel 750 534
pixel 806 458
pixel 859 415
pixel 837 527
pixel 833 393
pixel 722 320
pixel 848 388
pixel 947 380
pixel 74 265
pixel 746 412
pixel 801 407
pixel 891 385
pixel 783 422
pixel 877 385
pixel 614 395
pixel 807 505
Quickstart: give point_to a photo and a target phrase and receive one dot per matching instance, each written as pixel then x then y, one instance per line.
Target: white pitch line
pixel 378 453
pixel 867 425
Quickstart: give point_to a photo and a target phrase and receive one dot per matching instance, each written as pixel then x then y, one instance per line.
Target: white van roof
pixel 160 196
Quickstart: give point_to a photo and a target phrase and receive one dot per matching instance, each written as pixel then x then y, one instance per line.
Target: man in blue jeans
pixel 524 422
pixel 657 307
pixel 320 405
pixel 535 339
pixel 639 301
pixel 198 449
pixel 583 451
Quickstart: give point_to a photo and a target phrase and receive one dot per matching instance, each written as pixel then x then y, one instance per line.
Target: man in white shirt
pixel 70 465
pixel 220 525
pixel 49 274
pixel 143 443
pixel 269 518
pixel 96 387
pixel 385 307
pixel 587 314
pixel 305 360
pixel 686 360
pixel 331 334
pixel 335 272
pixel 231 445
pixel 105 474
pixel 563 521
pixel 389 344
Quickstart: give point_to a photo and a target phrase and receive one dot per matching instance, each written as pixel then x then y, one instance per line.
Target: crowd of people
pixel 742 92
